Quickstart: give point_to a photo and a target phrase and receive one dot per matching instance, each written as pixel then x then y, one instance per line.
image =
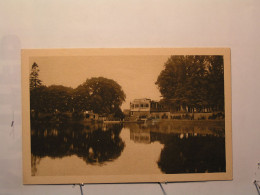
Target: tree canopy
pixel 193 82
pixel 97 94
pixel 102 95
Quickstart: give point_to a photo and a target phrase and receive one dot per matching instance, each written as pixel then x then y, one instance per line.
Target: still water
pixel 129 148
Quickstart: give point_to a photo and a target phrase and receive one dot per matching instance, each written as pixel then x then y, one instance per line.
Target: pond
pixel 69 149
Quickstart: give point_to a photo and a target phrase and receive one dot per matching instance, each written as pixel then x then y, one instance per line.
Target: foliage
pixel 118 114
pixel 34 77
pixel 38 99
pixel 193 82
pixel 58 98
pixel 102 95
pixel 51 99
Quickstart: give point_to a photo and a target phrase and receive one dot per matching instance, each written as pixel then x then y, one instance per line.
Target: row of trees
pixel 99 94
pixel 193 83
pixel 187 83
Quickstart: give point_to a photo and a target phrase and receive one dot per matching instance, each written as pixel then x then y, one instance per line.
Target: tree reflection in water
pixel 94 143
pixel 193 154
pixel 188 147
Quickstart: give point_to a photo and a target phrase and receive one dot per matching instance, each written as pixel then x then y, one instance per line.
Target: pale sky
pixel 136 74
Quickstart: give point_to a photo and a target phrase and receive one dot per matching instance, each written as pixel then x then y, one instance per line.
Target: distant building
pixel 140 107
pixel 145 107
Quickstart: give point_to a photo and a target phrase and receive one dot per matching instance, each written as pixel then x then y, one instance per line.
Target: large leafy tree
pixel 102 95
pixel 51 99
pixel 193 82
pixel 59 98
pixel 215 79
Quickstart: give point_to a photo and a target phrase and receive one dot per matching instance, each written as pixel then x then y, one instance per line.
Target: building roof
pixel 141 99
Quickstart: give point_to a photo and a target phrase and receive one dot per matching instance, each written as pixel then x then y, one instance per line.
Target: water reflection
pixel 188 148
pixel 182 147
pixel 191 154
pixel 215 128
pixel 94 143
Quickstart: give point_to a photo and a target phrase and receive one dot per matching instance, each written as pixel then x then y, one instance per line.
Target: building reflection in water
pixel 139 135
pixel 188 148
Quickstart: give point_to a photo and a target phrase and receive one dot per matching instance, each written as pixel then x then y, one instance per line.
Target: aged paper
pixel 126 115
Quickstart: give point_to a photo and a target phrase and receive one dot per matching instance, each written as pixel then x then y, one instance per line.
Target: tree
pixel 58 98
pixel 34 77
pixel 51 99
pixel 38 100
pixel 102 95
pixel 216 82
pixel 37 92
pixel 192 82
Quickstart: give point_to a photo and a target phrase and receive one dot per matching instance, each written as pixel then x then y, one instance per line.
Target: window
pixel 136 105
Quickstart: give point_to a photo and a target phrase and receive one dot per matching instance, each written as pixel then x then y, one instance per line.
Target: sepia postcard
pixel 126 115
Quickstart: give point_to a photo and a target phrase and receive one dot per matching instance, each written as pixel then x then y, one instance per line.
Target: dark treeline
pixel 193 83
pixel 100 95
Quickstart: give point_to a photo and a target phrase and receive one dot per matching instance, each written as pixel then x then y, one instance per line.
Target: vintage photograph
pixel 126 115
